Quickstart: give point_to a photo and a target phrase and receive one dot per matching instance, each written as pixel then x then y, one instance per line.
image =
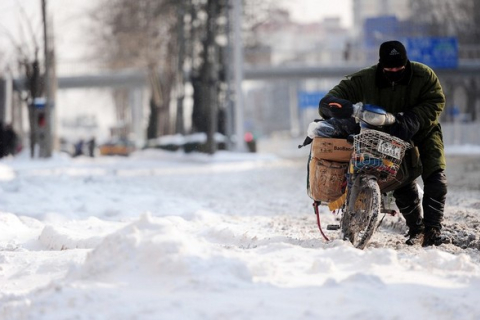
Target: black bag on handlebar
pixel 333 107
pixel 410 169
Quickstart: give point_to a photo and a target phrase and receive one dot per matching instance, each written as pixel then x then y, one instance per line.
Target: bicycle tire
pixel 363 208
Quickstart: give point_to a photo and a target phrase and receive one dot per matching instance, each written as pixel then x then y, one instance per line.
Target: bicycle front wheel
pixel 363 208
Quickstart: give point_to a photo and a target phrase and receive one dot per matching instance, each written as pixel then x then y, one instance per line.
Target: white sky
pixel 315 10
pixel 70 25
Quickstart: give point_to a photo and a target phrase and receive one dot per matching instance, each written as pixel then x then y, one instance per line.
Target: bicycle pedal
pixel 333 227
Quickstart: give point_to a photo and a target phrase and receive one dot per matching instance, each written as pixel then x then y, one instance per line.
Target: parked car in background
pixel 119 147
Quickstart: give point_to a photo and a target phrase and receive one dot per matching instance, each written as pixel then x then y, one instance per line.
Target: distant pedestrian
pixel 78 148
pixel 10 141
pixel 91 147
pixel 2 140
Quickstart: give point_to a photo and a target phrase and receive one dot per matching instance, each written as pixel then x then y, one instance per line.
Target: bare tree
pixel 205 73
pixel 172 39
pixel 210 60
pixel 140 34
pixel 28 64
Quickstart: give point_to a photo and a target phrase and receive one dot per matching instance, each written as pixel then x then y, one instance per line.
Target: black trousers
pixel 433 204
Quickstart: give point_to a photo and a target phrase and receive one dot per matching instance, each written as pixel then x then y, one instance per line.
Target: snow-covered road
pixel 172 236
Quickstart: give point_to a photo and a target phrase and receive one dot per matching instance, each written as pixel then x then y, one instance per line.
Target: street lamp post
pixel 44 137
pixel 238 75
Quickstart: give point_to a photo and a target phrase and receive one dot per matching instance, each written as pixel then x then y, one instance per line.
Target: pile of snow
pixel 165 235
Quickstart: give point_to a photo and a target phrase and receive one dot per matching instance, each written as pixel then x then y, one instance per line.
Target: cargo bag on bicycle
pixel 327 168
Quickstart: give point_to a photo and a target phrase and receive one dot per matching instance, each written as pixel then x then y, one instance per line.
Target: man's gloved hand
pixel 333 107
pixel 405 126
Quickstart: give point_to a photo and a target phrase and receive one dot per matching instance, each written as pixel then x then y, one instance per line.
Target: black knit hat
pixel 392 54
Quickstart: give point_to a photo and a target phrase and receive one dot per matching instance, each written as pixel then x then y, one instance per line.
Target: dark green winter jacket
pixel 419 91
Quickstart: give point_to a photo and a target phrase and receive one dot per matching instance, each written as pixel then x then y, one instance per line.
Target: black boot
pixel 408 202
pixel 435 187
pixel 415 226
pixel 433 237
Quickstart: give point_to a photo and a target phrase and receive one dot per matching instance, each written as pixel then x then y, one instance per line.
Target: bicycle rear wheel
pixel 359 221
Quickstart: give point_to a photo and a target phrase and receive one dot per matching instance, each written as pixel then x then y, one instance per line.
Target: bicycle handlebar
pixel 372 115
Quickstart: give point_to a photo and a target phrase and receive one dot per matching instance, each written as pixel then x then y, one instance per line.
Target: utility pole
pixel 238 75
pixel 180 127
pixel 45 132
pixel 229 107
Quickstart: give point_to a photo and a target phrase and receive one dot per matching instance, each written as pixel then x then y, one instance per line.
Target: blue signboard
pixel 434 52
pixel 309 99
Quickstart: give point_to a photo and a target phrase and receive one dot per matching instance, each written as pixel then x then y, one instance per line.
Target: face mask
pixel 394 76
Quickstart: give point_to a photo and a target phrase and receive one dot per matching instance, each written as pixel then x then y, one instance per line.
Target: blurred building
pixel 363 9
pixel 376 21
pixel 271 106
pixel 282 41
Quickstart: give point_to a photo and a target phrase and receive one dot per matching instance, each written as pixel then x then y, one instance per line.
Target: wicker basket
pixel 378 152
